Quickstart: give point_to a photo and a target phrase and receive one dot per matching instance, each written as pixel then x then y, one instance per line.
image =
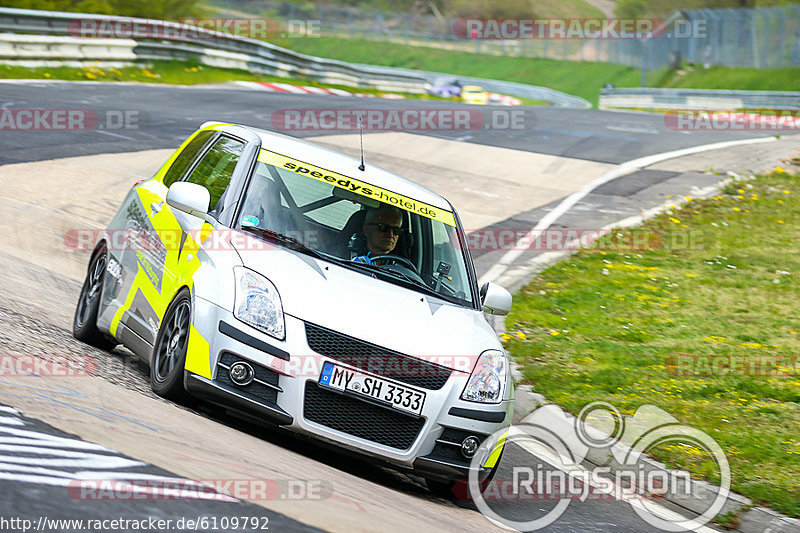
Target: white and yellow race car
pixel 287 282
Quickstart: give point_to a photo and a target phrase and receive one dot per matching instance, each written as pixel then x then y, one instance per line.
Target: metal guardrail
pixel 218 48
pixel 700 99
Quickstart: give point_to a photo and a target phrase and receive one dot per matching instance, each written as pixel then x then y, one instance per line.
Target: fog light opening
pixel 241 373
pixel 469 446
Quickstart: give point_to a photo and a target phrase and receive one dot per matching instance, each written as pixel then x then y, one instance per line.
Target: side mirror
pixel 495 299
pixel 189 197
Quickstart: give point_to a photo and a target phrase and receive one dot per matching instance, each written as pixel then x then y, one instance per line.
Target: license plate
pixel 384 391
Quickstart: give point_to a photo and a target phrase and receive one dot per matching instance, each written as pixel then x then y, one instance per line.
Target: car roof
pixel 346 165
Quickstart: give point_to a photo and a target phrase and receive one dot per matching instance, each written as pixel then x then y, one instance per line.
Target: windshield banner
pixel 367 190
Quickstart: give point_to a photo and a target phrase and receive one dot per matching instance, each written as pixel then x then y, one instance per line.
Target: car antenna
pixel 361 137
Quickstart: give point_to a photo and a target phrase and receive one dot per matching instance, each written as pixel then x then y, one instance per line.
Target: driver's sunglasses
pixel 383 228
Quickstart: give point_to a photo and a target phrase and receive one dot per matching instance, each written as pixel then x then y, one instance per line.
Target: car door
pixel 181 232
pixel 137 254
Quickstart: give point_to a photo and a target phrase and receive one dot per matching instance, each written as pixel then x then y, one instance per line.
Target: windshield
pixel 358 225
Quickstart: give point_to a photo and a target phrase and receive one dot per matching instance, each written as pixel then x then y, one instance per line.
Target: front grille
pixel 255 390
pixel 359 418
pixel 376 359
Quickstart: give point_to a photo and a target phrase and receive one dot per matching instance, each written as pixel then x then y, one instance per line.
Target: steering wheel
pixel 396 259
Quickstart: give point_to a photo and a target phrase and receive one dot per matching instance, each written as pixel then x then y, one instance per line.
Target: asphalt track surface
pixel 168 114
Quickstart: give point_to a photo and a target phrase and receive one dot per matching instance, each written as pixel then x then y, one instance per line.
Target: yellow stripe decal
pixel 198 358
pixel 498 449
pixel 367 190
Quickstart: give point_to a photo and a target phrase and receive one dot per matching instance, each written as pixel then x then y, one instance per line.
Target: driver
pixel 382 227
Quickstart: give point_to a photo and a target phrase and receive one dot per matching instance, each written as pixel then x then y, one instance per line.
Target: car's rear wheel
pixel 169 354
pixel 84 323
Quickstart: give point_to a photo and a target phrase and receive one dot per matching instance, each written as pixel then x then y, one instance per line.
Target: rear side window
pixel 184 160
pixel 215 169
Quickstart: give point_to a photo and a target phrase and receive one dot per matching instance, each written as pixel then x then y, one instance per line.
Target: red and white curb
pixel 307 89
pixel 503 99
pixel 494 98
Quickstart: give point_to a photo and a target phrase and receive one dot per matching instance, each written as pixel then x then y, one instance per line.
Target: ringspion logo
pixel 566 442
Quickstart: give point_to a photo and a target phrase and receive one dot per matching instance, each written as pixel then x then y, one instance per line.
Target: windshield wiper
pixel 285 240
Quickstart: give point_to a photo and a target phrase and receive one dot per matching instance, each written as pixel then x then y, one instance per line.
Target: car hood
pixel 373 310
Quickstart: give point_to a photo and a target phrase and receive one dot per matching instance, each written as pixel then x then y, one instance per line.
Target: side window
pixel 214 171
pixel 184 160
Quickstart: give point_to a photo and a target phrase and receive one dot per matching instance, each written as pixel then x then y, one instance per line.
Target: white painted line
pixel 543 260
pixel 505 262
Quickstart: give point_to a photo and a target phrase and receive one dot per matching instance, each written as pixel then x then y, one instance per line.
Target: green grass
pixel 175 72
pixel 783 79
pixel 584 79
pixel 191 73
pixel 450 8
pixel 607 324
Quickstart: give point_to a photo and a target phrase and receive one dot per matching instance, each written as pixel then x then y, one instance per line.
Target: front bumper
pixel 285 392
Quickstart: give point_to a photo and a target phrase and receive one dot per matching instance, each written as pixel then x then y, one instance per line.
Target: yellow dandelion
pixel 46 74
pixel 521 336
pixel 688 198
pixel 780 222
pixel 740 191
pixel 674 220
pixel 554 333
pixel 736 209
pixel 786 192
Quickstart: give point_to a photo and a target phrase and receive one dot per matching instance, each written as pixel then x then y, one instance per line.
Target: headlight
pixel 258 303
pixel 488 378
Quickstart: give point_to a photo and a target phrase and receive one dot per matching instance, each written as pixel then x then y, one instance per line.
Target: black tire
pixel 84 323
pixel 169 353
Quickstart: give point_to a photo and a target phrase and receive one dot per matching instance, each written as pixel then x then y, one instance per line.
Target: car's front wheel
pixel 169 354
pixel 84 323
